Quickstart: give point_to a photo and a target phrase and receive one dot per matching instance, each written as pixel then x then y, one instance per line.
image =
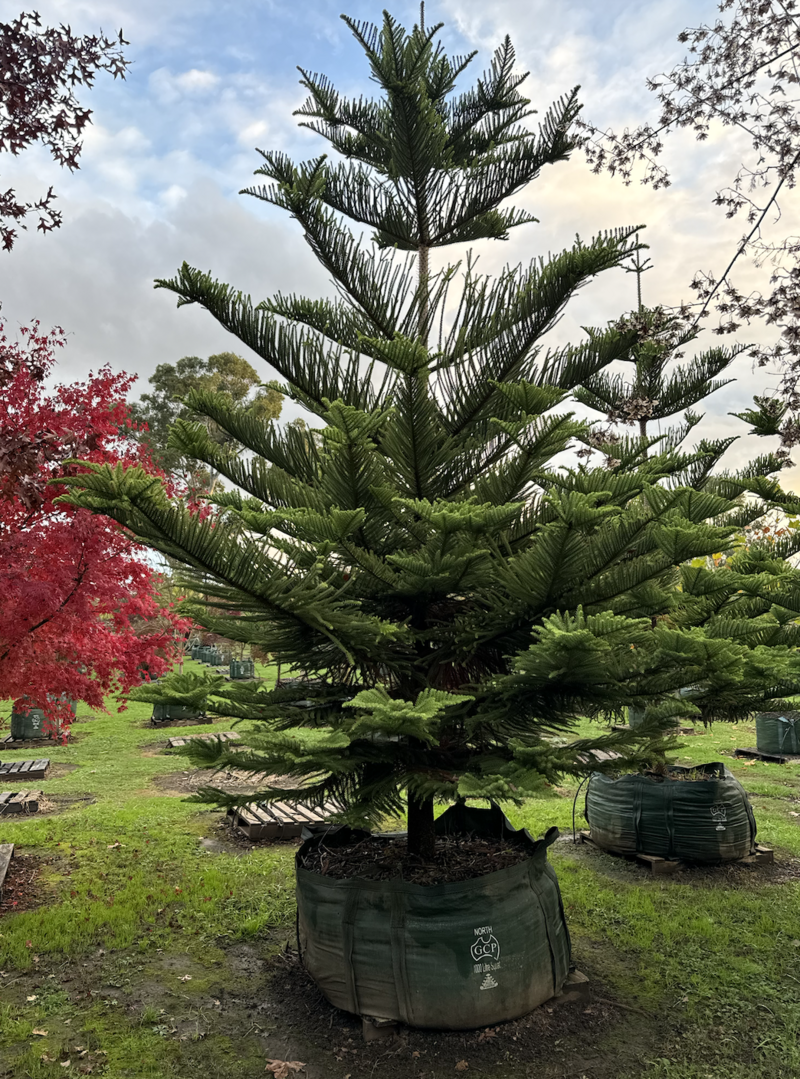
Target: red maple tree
pixel 81 612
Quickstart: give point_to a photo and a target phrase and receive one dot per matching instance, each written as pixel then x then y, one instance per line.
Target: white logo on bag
pixel 486 953
pixel 486 947
pixel 719 813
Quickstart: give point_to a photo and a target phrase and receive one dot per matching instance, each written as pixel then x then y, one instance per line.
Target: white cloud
pixel 170 89
pixel 95 278
pixel 172 144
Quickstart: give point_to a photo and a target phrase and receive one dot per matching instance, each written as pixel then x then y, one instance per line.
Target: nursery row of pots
pixel 213 657
pixel 209 654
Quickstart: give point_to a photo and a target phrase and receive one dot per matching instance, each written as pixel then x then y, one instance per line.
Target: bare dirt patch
pixel 59 768
pixel 189 782
pixel 23 888
pixel 551 1042
pixel 59 803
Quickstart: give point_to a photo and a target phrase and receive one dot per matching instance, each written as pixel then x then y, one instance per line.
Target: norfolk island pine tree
pixel 457 599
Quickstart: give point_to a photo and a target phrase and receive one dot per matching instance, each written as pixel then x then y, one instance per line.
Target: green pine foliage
pixel 454 594
pixel 662 383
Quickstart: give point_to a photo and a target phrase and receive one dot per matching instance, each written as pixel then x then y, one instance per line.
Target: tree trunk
pixel 423 254
pixel 421 836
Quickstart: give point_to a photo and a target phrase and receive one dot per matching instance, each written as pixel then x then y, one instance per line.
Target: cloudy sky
pixel 172 145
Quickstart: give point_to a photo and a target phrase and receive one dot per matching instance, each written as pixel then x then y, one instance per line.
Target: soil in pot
pixel 454 944
pixel 376 857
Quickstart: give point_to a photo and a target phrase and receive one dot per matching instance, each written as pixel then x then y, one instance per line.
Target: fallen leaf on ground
pixel 462 1066
pixel 34 997
pixel 39 1033
pixel 186 978
pixel 284 1069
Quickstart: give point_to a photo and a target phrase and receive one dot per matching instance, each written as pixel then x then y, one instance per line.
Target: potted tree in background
pixel 455 598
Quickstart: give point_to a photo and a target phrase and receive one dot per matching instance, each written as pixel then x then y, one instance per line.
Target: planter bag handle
pixel 786 726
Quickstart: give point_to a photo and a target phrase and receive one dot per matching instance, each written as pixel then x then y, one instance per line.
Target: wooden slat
pixel 755 754
pixel 24 801
pixel 226 736
pixel 277 820
pixel 283 812
pixel 29 769
pixel 258 824
pixel 6 854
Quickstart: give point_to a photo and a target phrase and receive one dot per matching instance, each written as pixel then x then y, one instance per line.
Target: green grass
pixel 135 944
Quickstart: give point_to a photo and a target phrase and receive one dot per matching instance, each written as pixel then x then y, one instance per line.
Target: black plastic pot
pixel 707 820
pixel 452 956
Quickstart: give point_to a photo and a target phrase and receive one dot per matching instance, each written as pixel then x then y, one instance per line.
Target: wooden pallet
pixel 19 802
pixel 6 854
pixel 25 769
pixel 200 721
pixel 684 731
pixel 30 743
pixel 278 820
pixel 664 867
pixel 771 758
pixel 226 736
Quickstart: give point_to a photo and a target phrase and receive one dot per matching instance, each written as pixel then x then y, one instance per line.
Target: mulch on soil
pixel 534 1045
pixel 458 858
pixel 22 889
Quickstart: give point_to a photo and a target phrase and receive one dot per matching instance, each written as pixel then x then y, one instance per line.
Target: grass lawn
pixel 158 947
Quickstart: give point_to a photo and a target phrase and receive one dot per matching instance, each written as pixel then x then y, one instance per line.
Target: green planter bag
pixel 28 724
pixel 778 732
pixel 699 820
pixel 162 713
pixel 242 668
pixel 452 956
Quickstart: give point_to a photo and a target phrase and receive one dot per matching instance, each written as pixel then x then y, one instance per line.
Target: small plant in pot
pixel 455 598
